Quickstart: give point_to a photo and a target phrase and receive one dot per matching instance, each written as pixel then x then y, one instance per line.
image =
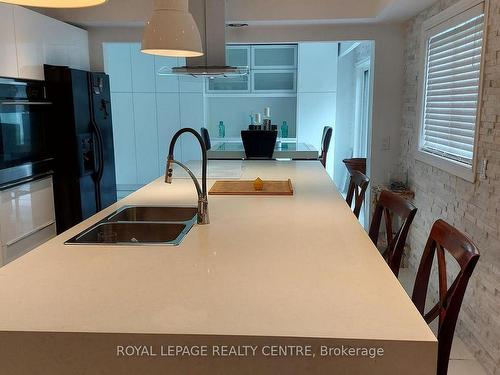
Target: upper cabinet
pixel 8 56
pixel 272 70
pixel 274 57
pixel 238 55
pixel 28 40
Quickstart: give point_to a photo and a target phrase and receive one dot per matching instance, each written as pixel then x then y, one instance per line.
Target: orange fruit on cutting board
pixel 258 184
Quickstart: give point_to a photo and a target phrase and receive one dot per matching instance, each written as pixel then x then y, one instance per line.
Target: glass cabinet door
pixel 283 81
pixel 238 56
pixel 233 84
pixel 274 57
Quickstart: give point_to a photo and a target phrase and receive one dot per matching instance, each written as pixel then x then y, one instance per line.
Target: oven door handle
pixel 24 102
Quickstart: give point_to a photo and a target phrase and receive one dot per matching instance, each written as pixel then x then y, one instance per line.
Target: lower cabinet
pixel 27 218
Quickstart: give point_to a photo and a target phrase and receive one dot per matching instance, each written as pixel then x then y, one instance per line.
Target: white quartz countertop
pixel 298 266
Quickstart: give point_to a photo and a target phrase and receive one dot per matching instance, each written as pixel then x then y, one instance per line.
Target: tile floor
pixel 462 362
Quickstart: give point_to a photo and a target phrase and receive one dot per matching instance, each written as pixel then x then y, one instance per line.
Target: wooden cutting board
pixel 247 188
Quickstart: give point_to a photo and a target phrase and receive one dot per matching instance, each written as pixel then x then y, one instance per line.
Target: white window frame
pixel 441 22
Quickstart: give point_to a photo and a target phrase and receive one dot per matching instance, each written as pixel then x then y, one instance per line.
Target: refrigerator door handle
pixel 97 177
pixel 100 152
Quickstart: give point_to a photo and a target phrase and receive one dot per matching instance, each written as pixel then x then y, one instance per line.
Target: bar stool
pixel 206 138
pixel 391 205
pixel 444 237
pixel 357 190
pixel 325 144
pixel 355 164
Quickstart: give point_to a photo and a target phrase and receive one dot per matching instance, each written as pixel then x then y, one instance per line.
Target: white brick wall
pixel 472 208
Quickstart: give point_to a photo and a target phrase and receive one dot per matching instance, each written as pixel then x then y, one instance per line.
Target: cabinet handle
pixel 24 236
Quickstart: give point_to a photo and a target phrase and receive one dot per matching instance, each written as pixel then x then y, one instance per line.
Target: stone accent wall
pixel 472 208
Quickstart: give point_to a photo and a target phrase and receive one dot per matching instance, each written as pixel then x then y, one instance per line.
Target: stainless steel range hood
pixel 210 16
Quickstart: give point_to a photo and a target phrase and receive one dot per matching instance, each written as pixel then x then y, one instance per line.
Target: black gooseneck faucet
pixel 203 217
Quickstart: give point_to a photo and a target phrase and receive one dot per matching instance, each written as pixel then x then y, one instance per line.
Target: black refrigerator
pixel 81 127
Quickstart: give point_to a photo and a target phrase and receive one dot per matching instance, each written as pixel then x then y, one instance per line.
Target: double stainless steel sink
pixel 140 225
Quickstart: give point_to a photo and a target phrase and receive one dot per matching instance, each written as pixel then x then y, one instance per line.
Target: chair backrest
pixel 206 138
pixel 259 144
pixel 357 190
pixel 355 164
pixel 325 144
pixel 391 205
pixel 444 237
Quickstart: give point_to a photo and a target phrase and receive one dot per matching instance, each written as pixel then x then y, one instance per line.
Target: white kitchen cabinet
pixel 44 40
pixel 314 112
pixel 192 116
pixel 317 74
pixel 189 84
pixel 122 106
pixel 8 55
pixel 143 70
pixel 31 30
pixel 280 57
pixel 274 81
pixel 118 64
pixel 168 119
pixel 166 83
pixel 146 137
pixel 27 218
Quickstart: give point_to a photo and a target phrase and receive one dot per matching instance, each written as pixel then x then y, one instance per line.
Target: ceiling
pixel 267 12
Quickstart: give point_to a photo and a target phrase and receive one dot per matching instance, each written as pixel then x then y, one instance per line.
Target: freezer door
pixel 101 102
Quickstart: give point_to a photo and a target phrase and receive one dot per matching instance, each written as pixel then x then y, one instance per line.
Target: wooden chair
pixel 206 138
pixel 445 237
pixel 355 164
pixel 391 205
pixel 325 144
pixel 357 190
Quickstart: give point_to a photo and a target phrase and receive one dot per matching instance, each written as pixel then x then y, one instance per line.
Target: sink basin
pixel 132 233
pixel 156 214
pixel 140 225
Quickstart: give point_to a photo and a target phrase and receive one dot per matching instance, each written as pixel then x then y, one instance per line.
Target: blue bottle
pixel 284 130
pixel 222 130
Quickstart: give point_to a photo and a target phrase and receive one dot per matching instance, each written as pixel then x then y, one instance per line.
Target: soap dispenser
pixel 222 130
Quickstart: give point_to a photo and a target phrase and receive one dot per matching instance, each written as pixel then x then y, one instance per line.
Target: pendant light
pixel 56 3
pixel 172 31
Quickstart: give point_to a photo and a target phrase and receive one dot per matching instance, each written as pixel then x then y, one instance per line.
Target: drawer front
pixel 26 209
pixel 28 243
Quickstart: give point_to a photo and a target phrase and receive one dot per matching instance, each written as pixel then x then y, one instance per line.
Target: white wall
pixel 317 94
pixel 344 135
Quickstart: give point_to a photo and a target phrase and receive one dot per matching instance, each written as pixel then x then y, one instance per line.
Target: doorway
pixel 354 109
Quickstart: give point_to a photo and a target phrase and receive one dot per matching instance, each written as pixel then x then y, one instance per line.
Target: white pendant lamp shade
pixel 172 31
pixel 56 3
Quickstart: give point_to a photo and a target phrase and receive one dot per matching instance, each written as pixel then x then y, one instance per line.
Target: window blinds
pixel 453 72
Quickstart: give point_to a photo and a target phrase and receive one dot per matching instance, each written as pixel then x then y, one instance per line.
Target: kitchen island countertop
pixel 288 268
